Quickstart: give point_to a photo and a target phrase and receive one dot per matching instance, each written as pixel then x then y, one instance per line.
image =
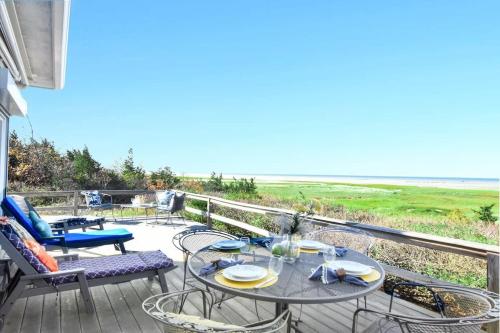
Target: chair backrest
pixel 355 239
pixel 92 198
pixel 462 309
pixel 198 239
pixel 10 206
pixel 366 320
pixel 176 239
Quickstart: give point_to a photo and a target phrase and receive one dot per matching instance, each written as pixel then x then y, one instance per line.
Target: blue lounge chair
pixel 114 237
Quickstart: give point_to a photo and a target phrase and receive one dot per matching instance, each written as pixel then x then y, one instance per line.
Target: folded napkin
pixel 328 275
pixel 219 264
pixel 339 251
pixel 262 241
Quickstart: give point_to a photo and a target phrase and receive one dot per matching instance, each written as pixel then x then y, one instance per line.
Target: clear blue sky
pixel 408 88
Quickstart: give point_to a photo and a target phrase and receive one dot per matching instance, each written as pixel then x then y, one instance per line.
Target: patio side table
pixel 137 207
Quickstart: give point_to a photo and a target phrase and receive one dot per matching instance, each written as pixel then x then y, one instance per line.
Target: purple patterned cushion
pixel 116 265
pixel 13 237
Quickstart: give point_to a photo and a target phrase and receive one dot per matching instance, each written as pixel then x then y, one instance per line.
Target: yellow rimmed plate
pixel 219 277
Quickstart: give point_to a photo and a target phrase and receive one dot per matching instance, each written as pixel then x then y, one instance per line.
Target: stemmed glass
pixel 329 254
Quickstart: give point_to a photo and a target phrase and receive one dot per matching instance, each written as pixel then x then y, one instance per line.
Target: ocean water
pixel 445 182
pixel 422 179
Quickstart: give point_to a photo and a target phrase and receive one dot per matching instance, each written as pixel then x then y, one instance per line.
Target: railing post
pixel 75 203
pixel 209 220
pixel 493 283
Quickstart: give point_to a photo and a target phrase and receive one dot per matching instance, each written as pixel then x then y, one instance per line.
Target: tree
pixel 134 176
pixel 37 164
pixel 86 168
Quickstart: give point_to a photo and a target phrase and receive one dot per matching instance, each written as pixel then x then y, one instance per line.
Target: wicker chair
pixel 457 310
pixel 167 309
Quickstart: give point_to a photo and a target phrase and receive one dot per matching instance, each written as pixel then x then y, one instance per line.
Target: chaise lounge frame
pixel 28 282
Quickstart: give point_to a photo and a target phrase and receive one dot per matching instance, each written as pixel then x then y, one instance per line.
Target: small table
pixel 138 206
pixel 293 285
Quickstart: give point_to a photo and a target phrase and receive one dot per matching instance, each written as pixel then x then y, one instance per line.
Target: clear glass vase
pixel 291 250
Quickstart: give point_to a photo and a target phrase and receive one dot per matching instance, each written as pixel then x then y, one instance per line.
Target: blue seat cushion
pixel 40 225
pixel 118 265
pixel 92 238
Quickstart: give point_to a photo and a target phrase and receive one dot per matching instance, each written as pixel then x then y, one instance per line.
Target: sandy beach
pixel 451 183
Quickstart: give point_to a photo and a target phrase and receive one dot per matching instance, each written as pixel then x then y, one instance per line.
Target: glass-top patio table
pixel 293 285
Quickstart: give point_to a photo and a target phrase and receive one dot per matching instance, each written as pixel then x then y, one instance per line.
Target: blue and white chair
pixel 98 201
pixel 170 202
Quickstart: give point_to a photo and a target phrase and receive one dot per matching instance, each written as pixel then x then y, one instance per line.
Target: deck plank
pixel 124 316
pixel 15 317
pixel 32 319
pixel 70 320
pixel 88 320
pixel 51 314
pixel 146 323
pixel 104 311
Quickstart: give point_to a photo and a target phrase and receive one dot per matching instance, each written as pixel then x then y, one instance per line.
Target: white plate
pixel 311 244
pixel 229 244
pixel 351 267
pixel 244 273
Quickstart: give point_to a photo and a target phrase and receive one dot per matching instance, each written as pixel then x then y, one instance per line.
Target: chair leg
pixel 185 274
pixel 163 280
pixel 84 289
pixel 122 247
pixel 11 299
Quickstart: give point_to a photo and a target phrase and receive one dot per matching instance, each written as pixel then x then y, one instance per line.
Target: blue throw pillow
pixel 40 225
pixel 165 198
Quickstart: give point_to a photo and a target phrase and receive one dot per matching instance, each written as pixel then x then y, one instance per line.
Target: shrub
pixel 214 183
pixel 192 185
pixel 457 216
pixel 241 185
pixel 163 179
pixel 485 213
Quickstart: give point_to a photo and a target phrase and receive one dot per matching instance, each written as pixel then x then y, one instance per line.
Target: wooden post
pixel 209 220
pixel 493 284
pixel 75 203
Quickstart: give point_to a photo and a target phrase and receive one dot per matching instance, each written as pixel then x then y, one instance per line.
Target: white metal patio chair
pixel 167 308
pixel 458 310
pixel 170 202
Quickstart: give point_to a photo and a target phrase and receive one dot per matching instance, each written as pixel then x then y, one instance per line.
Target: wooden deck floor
pixel 118 307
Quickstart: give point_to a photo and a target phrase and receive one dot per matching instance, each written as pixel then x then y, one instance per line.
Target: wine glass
pixel 329 254
pixel 246 247
pixel 275 265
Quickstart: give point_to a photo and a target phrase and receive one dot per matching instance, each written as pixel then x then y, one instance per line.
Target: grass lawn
pixel 422 209
pixel 386 200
